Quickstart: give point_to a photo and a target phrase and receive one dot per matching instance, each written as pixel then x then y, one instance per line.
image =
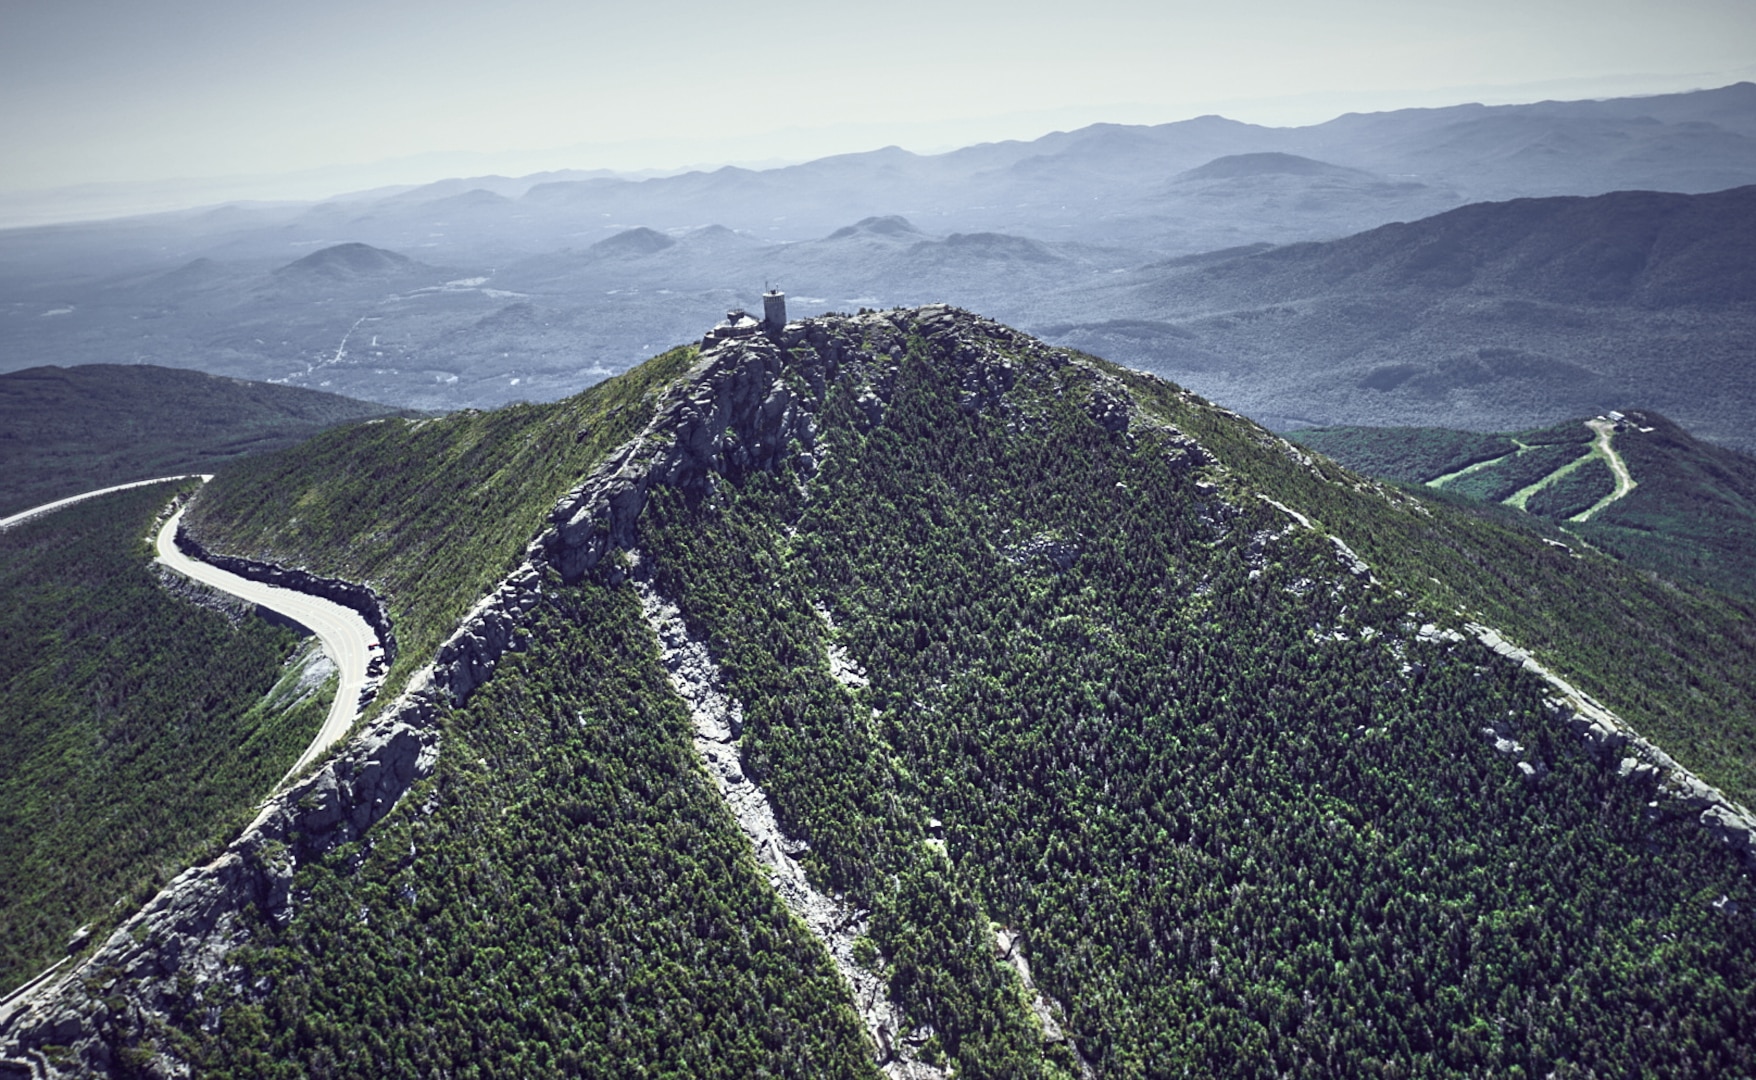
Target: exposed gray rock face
pixel 232 608
pixel 1605 733
pixel 1009 947
pixel 728 416
pixel 717 720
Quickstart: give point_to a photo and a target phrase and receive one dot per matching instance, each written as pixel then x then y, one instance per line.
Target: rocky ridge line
pixel 129 986
pixel 1604 732
pixel 717 721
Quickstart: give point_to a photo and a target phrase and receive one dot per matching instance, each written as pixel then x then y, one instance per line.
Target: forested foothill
pixel 1021 642
pixel 142 722
pixel 1691 515
pixel 65 430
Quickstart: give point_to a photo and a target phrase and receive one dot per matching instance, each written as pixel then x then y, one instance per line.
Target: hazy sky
pixel 128 90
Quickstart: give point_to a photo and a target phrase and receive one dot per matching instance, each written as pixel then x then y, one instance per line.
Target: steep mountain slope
pixel 1691 513
pixel 908 695
pixel 67 430
pixel 1492 316
pixel 142 721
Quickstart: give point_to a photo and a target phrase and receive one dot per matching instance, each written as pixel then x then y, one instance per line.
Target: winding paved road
pixel 50 507
pixel 344 634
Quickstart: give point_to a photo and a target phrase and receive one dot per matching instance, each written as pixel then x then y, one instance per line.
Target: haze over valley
pixel 1148 245
pixel 482 596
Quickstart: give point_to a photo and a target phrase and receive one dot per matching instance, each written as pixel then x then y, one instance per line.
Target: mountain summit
pixel 346 262
pixel 895 694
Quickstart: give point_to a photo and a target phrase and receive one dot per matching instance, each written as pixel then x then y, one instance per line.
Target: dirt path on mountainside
pixel 1605 445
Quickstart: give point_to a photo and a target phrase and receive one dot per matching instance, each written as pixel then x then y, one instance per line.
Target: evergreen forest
pixel 140 725
pixel 1025 646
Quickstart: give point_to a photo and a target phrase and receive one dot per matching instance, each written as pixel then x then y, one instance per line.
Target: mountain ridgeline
pixel 68 430
pixel 896 694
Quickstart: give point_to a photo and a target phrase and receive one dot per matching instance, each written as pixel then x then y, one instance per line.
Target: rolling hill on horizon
pixel 1090 218
pixel 68 430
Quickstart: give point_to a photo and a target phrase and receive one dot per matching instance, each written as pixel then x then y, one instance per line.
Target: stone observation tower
pixel 739 324
pixel 774 309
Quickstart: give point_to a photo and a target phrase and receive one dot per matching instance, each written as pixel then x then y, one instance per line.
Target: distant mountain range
pixel 1495 315
pixel 1147 244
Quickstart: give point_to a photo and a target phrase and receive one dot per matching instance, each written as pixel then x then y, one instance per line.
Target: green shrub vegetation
pixel 1678 662
pixel 1242 821
pixel 1573 492
pixel 430 512
pixel 1565 433
pixel 1412 455
pixel 136 728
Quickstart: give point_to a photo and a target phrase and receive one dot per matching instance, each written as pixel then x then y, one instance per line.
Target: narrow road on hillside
pixel 50 507
pixel 345 636
pixel 1606 430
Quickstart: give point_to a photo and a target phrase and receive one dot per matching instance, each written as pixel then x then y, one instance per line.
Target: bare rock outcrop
pixel 717 720
pixel 1607 734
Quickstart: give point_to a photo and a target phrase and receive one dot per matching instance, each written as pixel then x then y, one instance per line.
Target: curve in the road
pixel 50 507
pixel 345 636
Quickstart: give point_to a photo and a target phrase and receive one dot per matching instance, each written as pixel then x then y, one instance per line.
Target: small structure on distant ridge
pixel 774 309
pixel 740 323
